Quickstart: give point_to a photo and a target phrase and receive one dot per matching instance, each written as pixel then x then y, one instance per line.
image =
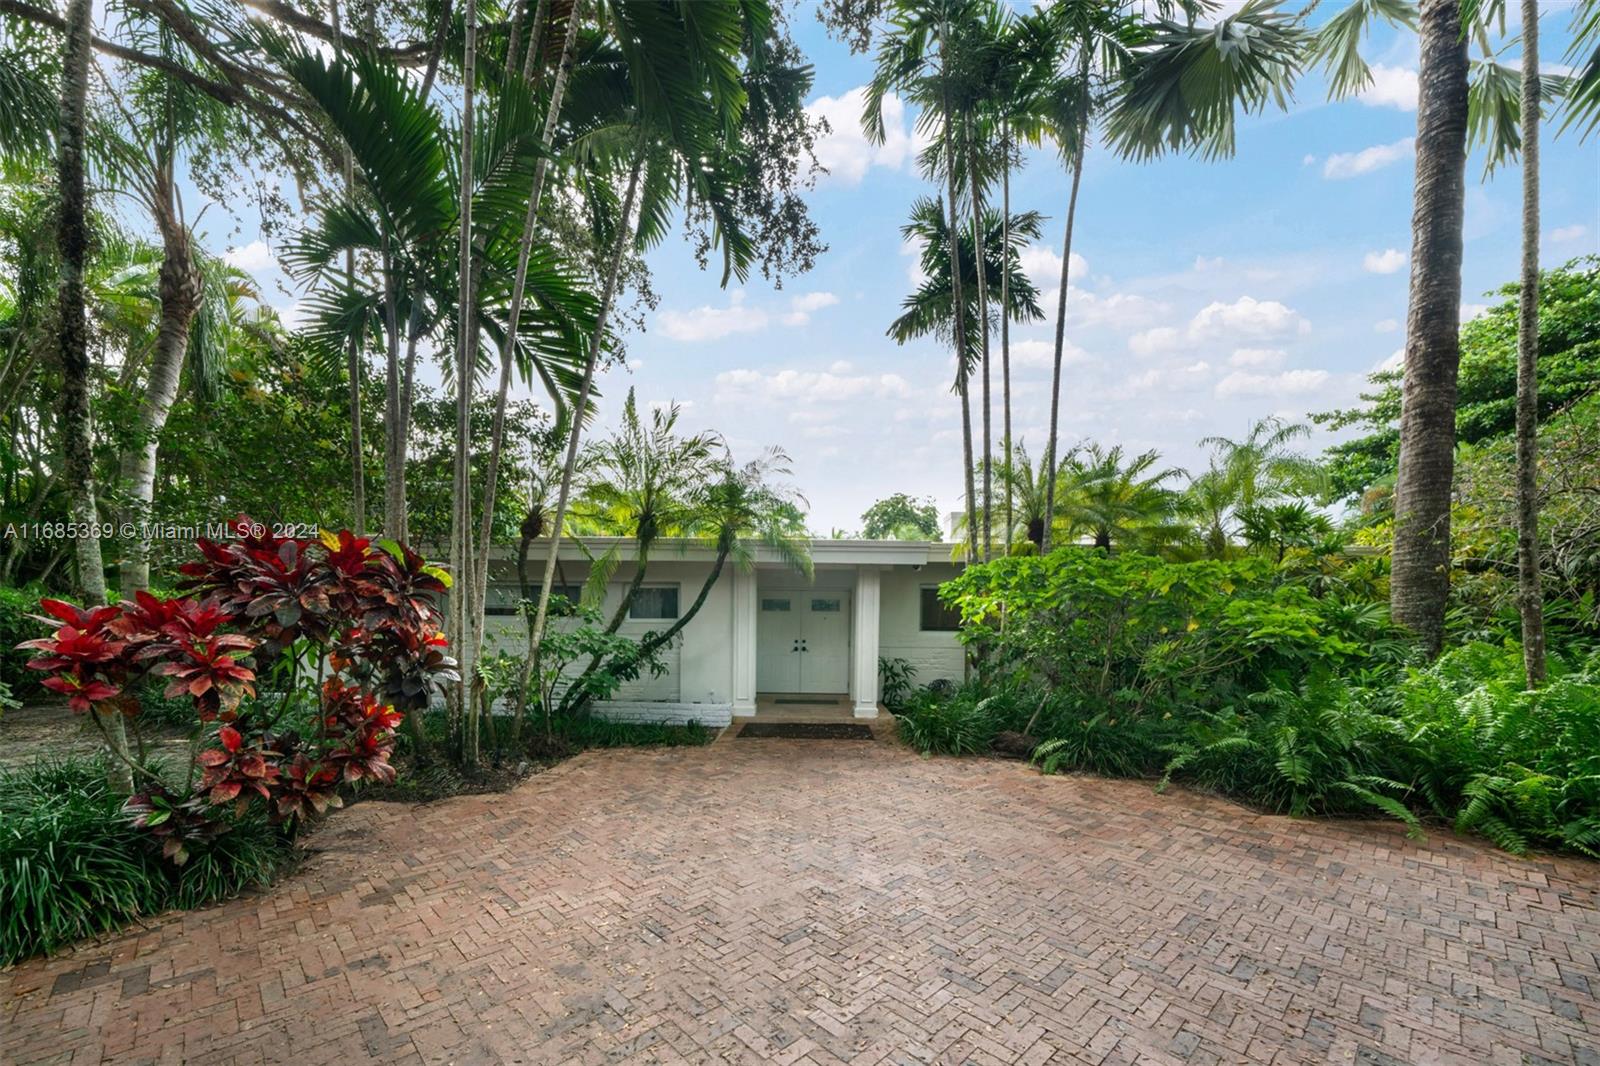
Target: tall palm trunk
pixel 461 606
pixel 983 334
pixel 953 239
pixel 1419 581
pixel 352 355
pixel 1050 450
pixel 541 615
pixel 181 290
pixel 76 430
pixel 1530 597
pixel 530 226
pixel 1005 319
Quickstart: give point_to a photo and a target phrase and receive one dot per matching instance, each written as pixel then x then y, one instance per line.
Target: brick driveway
pixel 773 901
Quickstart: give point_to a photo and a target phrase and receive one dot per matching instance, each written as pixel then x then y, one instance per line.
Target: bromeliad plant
pixel 279 613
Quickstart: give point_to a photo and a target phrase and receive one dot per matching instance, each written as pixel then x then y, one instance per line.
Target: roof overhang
pixel 823 552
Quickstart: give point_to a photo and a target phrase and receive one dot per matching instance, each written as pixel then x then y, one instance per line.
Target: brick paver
pixel 773 901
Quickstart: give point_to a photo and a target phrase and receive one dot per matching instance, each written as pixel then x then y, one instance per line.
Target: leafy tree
pixel 901 517
pixel 1569 368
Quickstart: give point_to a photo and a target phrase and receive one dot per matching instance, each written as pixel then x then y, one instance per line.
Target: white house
pixel 766 637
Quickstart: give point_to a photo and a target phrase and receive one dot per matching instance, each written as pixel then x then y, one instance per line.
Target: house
pixel 766 636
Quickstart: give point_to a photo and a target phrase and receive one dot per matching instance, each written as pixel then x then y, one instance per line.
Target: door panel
pixel 778 642
pixel 825 642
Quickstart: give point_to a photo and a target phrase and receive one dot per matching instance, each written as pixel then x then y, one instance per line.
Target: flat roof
pixel 824 551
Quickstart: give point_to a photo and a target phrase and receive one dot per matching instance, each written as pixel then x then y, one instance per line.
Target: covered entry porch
pixel 807 649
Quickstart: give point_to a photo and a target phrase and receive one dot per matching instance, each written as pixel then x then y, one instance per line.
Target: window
pixel 825 606
pixel 504 601
pixel 936 617
pixel 775 605
pixel 654 603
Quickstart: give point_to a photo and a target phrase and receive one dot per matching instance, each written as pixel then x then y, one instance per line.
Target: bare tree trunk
pixel 983 333
pixel 461 606
pixel 1005 320
pixel 953 238
pixel 530 226
pixel 76 428
pixel 541 614
pixel 181 289
pixel 1052 446
pixel 1530 597
pixel 1419 583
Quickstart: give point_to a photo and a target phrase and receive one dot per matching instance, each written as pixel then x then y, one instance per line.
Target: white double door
pixel 803 641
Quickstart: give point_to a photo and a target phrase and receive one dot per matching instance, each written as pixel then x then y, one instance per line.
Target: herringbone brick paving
pixel 775 901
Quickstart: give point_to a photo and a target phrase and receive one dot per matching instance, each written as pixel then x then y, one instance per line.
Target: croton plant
pixel 348 623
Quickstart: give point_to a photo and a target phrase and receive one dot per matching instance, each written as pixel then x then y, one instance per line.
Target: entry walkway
pixel 826 902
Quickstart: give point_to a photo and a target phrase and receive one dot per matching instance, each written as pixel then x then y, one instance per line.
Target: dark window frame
pixel 944 620
pixel 677 604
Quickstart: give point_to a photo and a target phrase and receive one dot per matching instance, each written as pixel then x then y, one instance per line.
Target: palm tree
pixel 934 308
pixel 1025 73
pixel 1530 597
pixel 514 79
pixel 1260 469
pixel 1120 505
pixel 1025 492
pixel 676 135
pixel 173 118
pixel 643 482
pixel 1163 86
pixel 1419 582
pixel 737 509
pixel 907 62
pixel 76 434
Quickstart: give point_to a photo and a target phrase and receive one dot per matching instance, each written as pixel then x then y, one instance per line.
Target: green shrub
pixel 72 866
pixel 16 605
pixel 963 722
pixel 1316 748
pixel 1104 744
pixel 1522 768
pixel 896 680
pixel 590 731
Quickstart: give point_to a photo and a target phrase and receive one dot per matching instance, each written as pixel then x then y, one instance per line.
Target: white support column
pixel 864 685
pixel 742 643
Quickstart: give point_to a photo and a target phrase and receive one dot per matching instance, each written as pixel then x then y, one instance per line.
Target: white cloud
pixel 800 307
pixel 1165 379
pixel 1396 360
pixel 707 323
pixel 1472 311
pixel 1387 325
pixel 1391 87
pixel 1266 358
pixel 1287 383
pixel 1308 159
pixel 807 386
pixel 1154 341
pixel 1203 263
pixel 812 301
pixel 1121 310
pixel 1388 261
pixel 1354 164
pixel 845 150
pixel 1246 317
pixel 1568 233
pixel 1043 267
pixel 251 257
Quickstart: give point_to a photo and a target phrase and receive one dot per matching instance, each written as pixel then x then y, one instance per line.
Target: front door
pixel 803 642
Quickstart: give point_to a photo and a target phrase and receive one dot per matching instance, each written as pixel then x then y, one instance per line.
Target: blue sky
pixel 1209 294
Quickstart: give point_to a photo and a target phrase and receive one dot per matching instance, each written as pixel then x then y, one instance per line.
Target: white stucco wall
pixel 700 660
pixel 900 634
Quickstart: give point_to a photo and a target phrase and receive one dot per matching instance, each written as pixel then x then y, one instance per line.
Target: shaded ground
pixel 36 730
pixel 783 901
